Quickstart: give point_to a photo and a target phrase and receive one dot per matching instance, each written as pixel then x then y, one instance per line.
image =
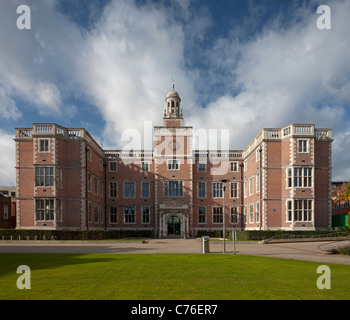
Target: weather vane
pixel 173 80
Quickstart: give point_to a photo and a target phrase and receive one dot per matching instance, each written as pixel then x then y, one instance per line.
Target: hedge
pixel 17 234
pixel 262 234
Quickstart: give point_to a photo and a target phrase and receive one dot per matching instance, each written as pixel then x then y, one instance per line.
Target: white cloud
pixel 8 107
pixel 124 62
pixel 47 98
pixel 127 64
pixel 37 64
pixel 298 74
pixel 341 159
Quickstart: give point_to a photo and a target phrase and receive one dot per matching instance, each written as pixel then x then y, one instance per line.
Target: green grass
pixel 168 277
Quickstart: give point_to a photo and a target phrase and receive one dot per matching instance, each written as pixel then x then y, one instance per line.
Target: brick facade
pixel 7 212
pixel 281 181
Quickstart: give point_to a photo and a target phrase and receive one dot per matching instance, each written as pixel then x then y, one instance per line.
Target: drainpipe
pixel 86 188
pixel 105 193
pixel 261 188
pixel 242 190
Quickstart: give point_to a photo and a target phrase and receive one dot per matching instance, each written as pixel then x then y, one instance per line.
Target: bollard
pixel 234 237
pixel 205 244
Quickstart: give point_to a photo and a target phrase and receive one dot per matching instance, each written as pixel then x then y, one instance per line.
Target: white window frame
pixel 218 190
pixel 173 164
pixel 217 215
pixel 202 190
pixel 304 144
pixel 234 192
pixel 113 186
pixel 47 176
pixel 289 210
pixel 306 180
pixel 133 215
pixel 145 196
pixel 251 185
pixel 200 166
pixel 233 166
pixel 89 153
pixel 289 178
pixel 202 214
pixel 96 185
pixel 257 212
pixel 171 187
pixel 48 145
pixel 113 214
pixel 133 189
pixel 257 154
pixel 113 166
pixel 52 209
pixel 236 214
pixel 145 166
pixel 144 215
pixel 251 213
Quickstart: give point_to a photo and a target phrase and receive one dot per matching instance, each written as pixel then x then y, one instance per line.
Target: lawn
pixel 167 277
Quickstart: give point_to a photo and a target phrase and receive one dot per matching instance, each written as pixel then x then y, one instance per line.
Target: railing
pixel 304 129
pixel 24 133
pixel 218 154
pixel 323 133
pixel 43 128
pixel 299 129
pixel 60 131
pixel 74 133
pixel 111 154
pixel 133 154
pixel 293 129
pixel 272 133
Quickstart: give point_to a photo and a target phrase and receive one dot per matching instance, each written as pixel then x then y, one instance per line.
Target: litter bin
pixel 205 244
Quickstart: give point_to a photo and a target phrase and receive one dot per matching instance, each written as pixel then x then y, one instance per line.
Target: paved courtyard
pixel 308 251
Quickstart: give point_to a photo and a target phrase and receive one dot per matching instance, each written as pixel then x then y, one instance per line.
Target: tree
pixel 343 194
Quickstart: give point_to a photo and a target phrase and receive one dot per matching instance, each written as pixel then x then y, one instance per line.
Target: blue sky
pixel 107 65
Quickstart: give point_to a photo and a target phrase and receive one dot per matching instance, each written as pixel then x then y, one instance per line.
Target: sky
pixel 107 66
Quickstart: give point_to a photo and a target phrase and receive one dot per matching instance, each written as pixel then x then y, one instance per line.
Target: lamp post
pixel 223 216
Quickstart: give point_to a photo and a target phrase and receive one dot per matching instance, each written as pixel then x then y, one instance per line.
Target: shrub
pixel 262 234
pixel 17 234
pixel 345 250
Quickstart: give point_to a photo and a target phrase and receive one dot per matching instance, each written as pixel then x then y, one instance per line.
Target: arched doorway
pixel 174 226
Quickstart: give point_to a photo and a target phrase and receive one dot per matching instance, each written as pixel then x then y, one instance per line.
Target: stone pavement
pixel 308 251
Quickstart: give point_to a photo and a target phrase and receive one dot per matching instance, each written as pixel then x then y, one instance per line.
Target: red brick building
pixel 281 181
pixel 7 212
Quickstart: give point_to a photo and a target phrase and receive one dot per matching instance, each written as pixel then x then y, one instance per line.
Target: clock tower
pixel 173 172
pixel 173 113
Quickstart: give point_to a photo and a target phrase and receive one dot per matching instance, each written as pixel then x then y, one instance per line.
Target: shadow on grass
pixel 9 262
